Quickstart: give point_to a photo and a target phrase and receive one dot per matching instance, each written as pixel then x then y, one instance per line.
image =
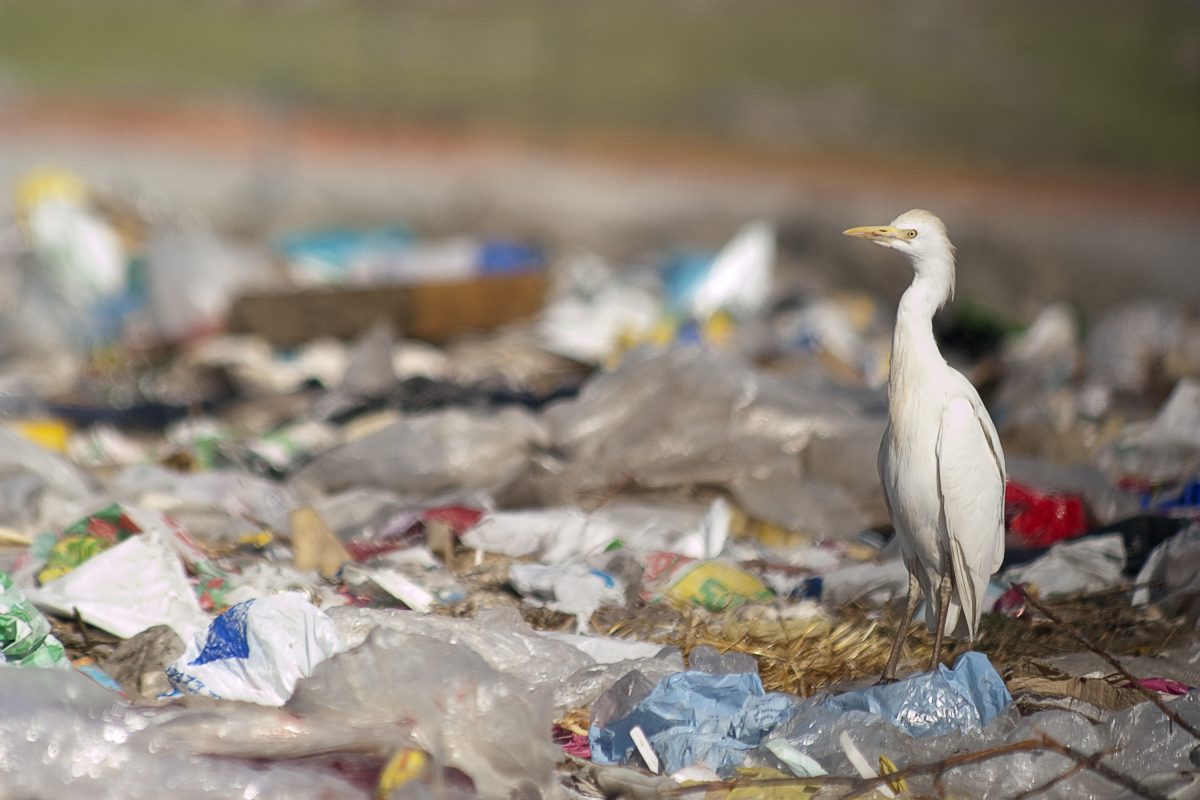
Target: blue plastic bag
pixel 963 699
pixel 693 717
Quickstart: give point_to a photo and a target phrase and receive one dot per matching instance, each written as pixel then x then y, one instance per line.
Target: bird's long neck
pixel 914 350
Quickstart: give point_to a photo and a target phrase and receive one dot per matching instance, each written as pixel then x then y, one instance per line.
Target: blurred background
pixel 1061 142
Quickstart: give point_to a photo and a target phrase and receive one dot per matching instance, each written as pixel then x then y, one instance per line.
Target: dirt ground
pixel 1023 238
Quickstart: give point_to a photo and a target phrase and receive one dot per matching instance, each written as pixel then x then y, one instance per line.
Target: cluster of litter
pixel 363 515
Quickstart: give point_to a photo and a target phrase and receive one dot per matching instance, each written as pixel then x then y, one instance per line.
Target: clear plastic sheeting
pixel 439 451
pixel 953 704
pixel 779 493
pixel 463 712
pixel 1146 746
pixel 554 535
pixel 1170 578
pixel 500 637
pixel 242 496
pixel 507 644
pixel 61 477
pixel 61 735
pixel 738 429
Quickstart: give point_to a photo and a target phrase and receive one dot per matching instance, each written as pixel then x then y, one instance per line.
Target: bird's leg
pixel 943 608
pixel 914 597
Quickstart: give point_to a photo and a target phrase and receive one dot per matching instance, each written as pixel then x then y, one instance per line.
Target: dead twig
pixel 1074 633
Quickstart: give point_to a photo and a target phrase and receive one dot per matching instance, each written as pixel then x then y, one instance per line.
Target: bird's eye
pixel 910 234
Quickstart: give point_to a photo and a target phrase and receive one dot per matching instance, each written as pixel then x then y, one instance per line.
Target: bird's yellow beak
pixel 874 232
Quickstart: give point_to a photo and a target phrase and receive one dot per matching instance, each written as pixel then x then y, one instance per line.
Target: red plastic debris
pixel 460 518
pixel 402 531
pixel 1165 686
pixel 573 744
pixel 1040 519
pixel 1011 603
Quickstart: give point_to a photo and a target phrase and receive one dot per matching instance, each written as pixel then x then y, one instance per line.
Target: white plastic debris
pixel 586 322
pixel 128 588
pixel 739 280
pixel 558 534
pixel 573 588
pixel 257 651
pixel 1090 564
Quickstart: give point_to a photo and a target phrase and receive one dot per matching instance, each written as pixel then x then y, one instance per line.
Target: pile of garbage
pixel 632 545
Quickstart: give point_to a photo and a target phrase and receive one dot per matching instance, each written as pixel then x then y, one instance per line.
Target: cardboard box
pixel 434 312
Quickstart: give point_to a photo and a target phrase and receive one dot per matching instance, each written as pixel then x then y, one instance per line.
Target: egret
pixel 940 460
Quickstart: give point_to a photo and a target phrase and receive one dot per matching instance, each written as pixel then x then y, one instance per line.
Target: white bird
pixel 940 460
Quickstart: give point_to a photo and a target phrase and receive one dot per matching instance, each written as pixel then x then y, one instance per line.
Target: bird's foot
pixel 884 680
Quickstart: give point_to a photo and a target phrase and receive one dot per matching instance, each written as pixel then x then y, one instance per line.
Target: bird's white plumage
pixel 972 490
pixel 940 461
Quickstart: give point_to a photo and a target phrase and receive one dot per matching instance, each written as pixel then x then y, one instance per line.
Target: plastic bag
pixel 25 638
pixel 1042 518
pixel 739 278
pixel 248 498
pixel 256 651
pixel 1170 577
pixel 572 588
pixel 1101 500
pixel 875 583
pixel 733 427
pixel 587 320
pixel 82 540
pixel 920 719
pixel 135 585
pixel 490 725
pixel 1166 449
pixel 436 452
pixel 715 585
pixel 1091 564
pixel 509 645
pixel 962 699
pixel 61 476
pixel 694 717
pixel 555 535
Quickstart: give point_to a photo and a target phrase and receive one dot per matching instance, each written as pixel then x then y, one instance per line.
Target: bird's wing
pixel 881 465
pixel 971 479
pixel 989 430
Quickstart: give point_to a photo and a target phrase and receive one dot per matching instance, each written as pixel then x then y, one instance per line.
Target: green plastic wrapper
pixel 25 639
